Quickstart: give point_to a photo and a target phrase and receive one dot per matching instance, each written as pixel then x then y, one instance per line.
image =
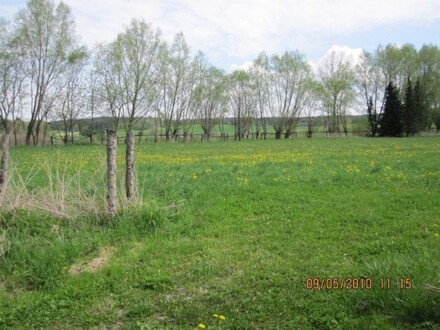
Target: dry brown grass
pixel 94 265
pixel 62 197
pixel 5 244
pixel 432 288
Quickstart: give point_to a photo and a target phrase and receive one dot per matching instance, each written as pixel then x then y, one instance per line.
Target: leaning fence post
pixel 111 172
pixel 4 165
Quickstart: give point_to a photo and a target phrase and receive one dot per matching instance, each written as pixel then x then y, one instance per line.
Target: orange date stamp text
pixel 357 283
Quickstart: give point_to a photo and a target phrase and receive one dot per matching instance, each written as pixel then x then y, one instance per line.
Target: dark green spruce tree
pixel 391 121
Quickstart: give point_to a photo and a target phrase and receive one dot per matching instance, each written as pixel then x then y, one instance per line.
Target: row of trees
pixel 45 74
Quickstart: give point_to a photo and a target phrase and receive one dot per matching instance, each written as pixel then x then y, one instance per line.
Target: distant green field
pixel 358 126
pixel 290 234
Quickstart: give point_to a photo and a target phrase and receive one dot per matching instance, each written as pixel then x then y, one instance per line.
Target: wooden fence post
pixel 4 165
pixel 111 172
pixel 129 167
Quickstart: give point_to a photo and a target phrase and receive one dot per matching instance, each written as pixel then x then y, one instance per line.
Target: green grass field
pixel 256 231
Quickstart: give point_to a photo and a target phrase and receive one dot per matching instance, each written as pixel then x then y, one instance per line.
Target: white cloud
pixel 245 66
pixel 352 53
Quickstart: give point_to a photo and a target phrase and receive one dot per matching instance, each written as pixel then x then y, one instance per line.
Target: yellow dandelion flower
pixel 201 326
pixel 220 317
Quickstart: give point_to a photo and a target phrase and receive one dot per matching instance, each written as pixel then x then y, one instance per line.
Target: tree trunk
pixel 45 131
pixel 278 135
pixel 111 172
pixel 37 133
pixel 129 159
pixel 15 137
pixel 4 165
pixel 29 132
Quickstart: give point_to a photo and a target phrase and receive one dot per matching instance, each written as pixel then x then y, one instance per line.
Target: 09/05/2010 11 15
pixel 352 283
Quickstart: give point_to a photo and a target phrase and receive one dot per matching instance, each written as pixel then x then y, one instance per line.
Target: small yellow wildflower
pixel 202 326
pixel 221 317
pixel 194 176
pixel 436 235
pixel 242 181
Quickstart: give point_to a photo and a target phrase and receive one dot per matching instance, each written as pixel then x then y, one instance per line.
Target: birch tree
pixel 136 56
pixel 242 101
pixel 371 83
pixel 108 95
pixel 429 73
pixel 177 84
pixel 210 94
pixel 312 107
pixel 337 89
pixel 260 74
pixel 287 86
pixel 12 76
pixel 46 32
pixel 72 100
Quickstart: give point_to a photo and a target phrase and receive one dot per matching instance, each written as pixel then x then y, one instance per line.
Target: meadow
pixel 337 233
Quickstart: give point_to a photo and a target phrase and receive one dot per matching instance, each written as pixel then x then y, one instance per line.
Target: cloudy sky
pixel 232 33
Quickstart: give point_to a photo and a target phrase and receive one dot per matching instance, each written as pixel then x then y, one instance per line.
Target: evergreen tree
pixel 390 123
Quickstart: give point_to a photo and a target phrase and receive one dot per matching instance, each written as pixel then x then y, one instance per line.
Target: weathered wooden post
pixel 111 172
pixel 129 174
pixel 4 165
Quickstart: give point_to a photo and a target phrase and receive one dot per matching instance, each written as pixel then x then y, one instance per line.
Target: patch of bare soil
pixel 94 265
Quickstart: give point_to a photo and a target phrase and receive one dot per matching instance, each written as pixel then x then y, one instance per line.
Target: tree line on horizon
pixel 48 75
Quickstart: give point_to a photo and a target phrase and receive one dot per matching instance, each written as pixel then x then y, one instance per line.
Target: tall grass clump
pixel 411 297
pixel 45 229
pixel 63 195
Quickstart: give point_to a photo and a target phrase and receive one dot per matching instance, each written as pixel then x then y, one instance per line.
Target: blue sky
pixel 232 33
